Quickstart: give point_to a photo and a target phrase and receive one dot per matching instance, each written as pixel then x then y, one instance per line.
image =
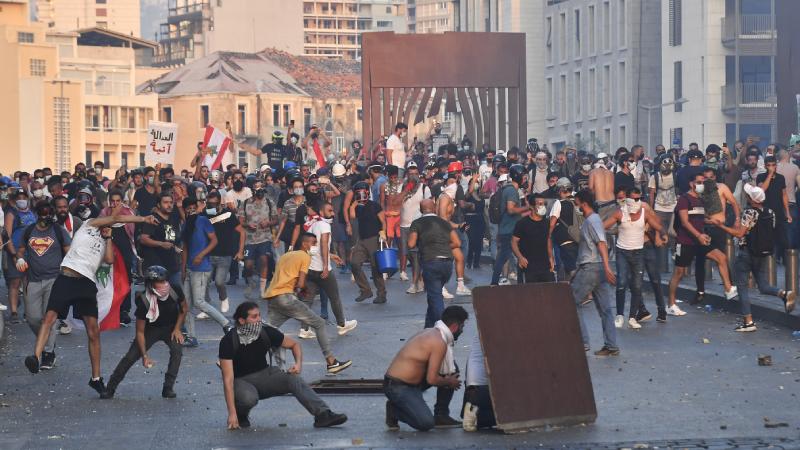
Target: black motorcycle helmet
pixel 517 172
pixel 155 273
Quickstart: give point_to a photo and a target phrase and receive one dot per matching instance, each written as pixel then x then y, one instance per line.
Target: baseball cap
pixel 602 155
pixel 694 154
pixel 503 177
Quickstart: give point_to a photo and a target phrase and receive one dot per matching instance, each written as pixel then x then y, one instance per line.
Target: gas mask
pixel 712 162
pixel 586 167
pixel 83 212
pixel 238 185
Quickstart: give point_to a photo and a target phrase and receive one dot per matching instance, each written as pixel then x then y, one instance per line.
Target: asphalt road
pixel 689 383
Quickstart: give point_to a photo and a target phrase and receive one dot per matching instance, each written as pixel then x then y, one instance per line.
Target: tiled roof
pixel 269 71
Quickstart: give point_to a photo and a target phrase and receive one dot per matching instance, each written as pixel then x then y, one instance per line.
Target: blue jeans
pixel 435 274
pixel 629 275
pixel 195 291
pixel 410 406
pixel 794 227
pixel 591 278
pixel 504 253
pixel 744 265
pixel 653 267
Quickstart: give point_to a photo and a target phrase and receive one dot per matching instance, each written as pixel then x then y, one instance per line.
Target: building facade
pixel 196 28
pixel 66 15
pixel 434 16
pixel 332 28
pixel 720 55
pixel 602 73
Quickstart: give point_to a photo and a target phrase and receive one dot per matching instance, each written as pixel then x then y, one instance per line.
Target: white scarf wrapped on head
pixel 449 362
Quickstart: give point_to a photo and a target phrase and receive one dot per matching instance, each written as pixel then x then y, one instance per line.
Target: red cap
pixel 455 166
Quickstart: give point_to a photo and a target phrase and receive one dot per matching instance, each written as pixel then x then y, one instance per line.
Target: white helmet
pixel 338 170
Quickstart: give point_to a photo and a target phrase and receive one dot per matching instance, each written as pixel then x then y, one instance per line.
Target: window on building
pixel 38 67
pixel 592 97
pixel 61 114
pixel 606 89
pixel 607 137
pixel 549 97
pixel 166 114
pixel 384 23
pixel 205 116
pixel 276 115
pixel 107 159
pixel 548 29
pixel 678 84
pixel 26 38
pixel 141 159
pixel 359 114
pixel 109 118
pixel 675 22
pixel 562 37
pixel 592 139
pixel 622 27
pixel 306 120
pixel 606 26
pixel 577 27
pixel 578 95
pixel 286 115
pixel 562 98
pixel 128 119
pixel 676 136
pixel 241 116
pixel 92 117
pixel 101 12
pixel 145 116
pixel 622 88
pixel 623 136
pixel 591 35
pixel 102 24
pixel 89 160
pixel 101 2
pixel 123 159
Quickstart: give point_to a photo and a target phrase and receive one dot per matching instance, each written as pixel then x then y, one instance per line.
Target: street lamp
pixel 650 108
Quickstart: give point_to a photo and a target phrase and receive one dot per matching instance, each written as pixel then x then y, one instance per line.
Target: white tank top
pixel 86 252
pixel 631 233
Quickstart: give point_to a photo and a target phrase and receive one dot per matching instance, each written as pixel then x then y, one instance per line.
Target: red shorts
pixel 393 226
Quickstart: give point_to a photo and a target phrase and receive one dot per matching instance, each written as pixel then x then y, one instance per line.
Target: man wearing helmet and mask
pixel 160 312
pixel 276 150
pixel 565 226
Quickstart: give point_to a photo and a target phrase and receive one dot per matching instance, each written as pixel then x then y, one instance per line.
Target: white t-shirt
pixel 237 197
pixel 319 228
pixel 666 199
pixel 790 172
pixel 539 180
pixel 397 151
pixel 86 252
pixel 410 210
pixel 555 210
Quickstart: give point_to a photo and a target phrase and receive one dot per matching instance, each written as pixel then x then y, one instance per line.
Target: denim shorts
pixel 255 251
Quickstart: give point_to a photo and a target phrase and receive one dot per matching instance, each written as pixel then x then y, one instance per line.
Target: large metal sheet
pixel 538 375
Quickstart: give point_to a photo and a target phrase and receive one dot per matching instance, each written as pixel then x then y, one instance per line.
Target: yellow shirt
pixel 288 270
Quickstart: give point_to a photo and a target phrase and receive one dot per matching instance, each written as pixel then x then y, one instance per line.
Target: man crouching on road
pixel 420 365
pixel 247 377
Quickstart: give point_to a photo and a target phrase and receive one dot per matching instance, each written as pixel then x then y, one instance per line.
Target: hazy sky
pixel 153 13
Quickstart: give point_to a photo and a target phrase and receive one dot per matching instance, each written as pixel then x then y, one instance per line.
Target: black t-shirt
pixel 275 154
pixel 433 237
pixel 368 222
pixel 167 230
pixel 227 236
pixel 168 310
pixel 621 179
pixel 250 358
pixel 532 236
pixel 283 197
pixel 774 194
pixel 146 201
pixel 561 231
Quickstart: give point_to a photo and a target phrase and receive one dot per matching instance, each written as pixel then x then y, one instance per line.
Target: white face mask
pixel 633 205
pixel 700 188
pixel 586 167
pixel 541 211
pixel 38 193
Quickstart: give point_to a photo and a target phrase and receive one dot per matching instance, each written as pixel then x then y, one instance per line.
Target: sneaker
pixel 788 301
pixel 349 325
pixel 731 293
pixel 586 347
pixel 108 393
pixel 338 366
pixel 244 421
pixel 48 360
pixel 15 319
pixel 124 319
pixel 746 327
pixel 307 334
pixel 3 307
pixel 674 310
pixel 403 276
pixel 224 306
pixel 662 316
pixel 32 363
pixel 64 328
pixel 363 297
pixel 168 392
pixel 379 300
pixel 191 342
pixel 329 419
pixel 202 316
pixel 446 422
pixel 463 291
pixel 698 298
pixel 619 320
pixel 512 275
pixel 391 418
pixel 385 276
pixel 412 289
pixel 446 294
pixel 606 351
pixel 97 385
pixel 504 282
pixel 633 324
pixel 643 315
pixel 470 417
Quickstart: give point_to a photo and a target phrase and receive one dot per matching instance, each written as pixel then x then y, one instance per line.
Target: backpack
pixel 761 238
pixel 573 230
pixel 26 236
pixel 496 207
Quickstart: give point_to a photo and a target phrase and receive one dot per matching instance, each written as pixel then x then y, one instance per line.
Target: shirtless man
pixel 445 207
pixel 718 236
pixel 418 366
pixel 392 197
pixel 601 183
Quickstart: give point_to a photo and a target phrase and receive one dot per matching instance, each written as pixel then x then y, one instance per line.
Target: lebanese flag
pixel 113 285
pixel 218 142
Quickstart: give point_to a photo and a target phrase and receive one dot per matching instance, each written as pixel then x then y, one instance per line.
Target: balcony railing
pixel 748 94
pixel 116 88
pixel 751 26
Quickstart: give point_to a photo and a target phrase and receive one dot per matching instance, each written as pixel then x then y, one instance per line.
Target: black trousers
pixel 151 336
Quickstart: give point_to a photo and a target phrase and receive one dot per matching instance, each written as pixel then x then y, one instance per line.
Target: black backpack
pixel 496 207
pixel 761 238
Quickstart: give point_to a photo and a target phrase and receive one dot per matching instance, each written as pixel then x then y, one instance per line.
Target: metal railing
pixel 751 26
pixel 748 94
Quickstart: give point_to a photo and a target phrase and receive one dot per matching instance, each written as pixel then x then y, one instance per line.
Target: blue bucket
pixel 386 258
